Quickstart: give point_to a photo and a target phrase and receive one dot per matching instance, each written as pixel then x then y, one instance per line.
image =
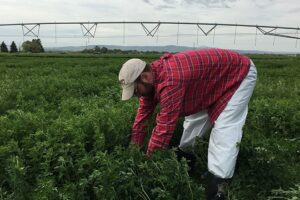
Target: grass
pixel 65 134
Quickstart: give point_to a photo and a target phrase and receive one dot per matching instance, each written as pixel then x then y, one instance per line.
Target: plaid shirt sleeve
pixel 170 106
pixel 145 109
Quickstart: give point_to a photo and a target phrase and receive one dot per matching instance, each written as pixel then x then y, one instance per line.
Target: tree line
pixel 34 46
pixel 104 50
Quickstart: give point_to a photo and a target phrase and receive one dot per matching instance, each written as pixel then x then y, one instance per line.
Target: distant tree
pixel 13 47
pixel 35 46
pixel 3 47
pixel 103 50
pixel 117 51
pixel 26 46
pixel 41 46
pixel 97 49
pixel 88 51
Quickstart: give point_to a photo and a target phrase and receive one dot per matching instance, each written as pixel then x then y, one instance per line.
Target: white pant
pixel 226 132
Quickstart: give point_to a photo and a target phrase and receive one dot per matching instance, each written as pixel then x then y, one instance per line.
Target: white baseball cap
pixel 129 72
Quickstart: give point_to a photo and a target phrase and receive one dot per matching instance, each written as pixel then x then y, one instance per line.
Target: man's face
pixel 143 89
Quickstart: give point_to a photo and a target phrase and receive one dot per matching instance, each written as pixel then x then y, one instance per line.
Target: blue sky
pixel 263 12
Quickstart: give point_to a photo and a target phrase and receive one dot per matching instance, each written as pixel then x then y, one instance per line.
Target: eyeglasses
pixel 136 89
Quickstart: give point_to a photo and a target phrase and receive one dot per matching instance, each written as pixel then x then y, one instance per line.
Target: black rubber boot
pixel 191 159
pixel 216 187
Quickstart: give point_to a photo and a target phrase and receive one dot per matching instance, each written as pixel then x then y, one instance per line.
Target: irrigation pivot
pixel 88 29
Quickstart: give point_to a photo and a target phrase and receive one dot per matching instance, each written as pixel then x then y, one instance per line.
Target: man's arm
pixel 170 107
pixel 145 110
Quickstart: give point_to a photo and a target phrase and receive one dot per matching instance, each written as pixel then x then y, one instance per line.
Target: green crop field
pixel 65 134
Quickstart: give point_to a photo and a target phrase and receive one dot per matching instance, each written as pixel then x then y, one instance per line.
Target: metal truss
pixel 31 30
pixel 153 31
pixel 270 32
pixel 90 31
pixel 204 32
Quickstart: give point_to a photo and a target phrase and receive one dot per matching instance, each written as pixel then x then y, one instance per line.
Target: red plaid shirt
pixel 186 83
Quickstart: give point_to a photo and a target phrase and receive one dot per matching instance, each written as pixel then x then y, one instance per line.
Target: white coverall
pixel 226 131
